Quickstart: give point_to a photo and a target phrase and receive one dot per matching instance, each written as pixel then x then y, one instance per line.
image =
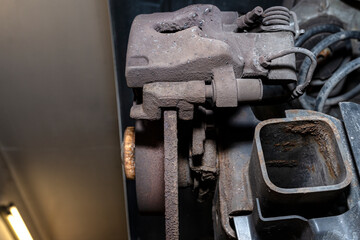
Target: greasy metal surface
pixel 351 116
pixel 171 175
pixel 129 152
pixel 59 120
pixel 149 166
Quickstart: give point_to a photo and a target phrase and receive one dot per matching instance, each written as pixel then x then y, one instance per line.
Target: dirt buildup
pixel 323 138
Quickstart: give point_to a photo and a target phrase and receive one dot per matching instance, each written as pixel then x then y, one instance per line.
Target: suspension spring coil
pixel 278 19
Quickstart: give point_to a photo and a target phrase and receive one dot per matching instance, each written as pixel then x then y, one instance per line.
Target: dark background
pixel 195 218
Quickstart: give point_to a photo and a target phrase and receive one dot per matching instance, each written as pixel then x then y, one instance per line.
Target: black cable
pixel 324 44
pixel 344 97
pixel 338 87
pixel 304 100
pixel 331 83
pixel 326 28
pixel 341 98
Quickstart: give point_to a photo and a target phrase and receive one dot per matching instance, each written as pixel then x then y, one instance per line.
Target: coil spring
pixel 276 16
pixel 278 19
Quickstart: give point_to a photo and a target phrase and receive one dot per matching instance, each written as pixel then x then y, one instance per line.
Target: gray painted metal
pixel 351 116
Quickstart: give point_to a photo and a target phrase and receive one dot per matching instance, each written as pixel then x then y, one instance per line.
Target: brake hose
pixel 331 83
pixel 305 100
pixel 327 28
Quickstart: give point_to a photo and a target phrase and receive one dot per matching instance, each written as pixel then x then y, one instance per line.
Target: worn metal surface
pixel 265 224
pixel 171 56
pixel 149 166
pixel 277 18
pixel 195 36
pixel 249 89
pixel 250 19
pixel 298 164
pixel 171 175
pixel 353 195
pixel 198 134
pixel 181 95
pixel 342 223
pixel 234 195
pixel 183 62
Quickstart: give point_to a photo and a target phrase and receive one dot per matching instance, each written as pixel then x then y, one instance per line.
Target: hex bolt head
pixel 129 152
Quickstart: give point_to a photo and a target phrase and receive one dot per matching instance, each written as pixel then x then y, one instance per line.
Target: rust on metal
pixel 250 19
pixel 323 138
pixel 172 55
pixel 129 152
pixel 184 64
pixel 297 156
pixel 235 195
pixel 323 55
pixel 171 175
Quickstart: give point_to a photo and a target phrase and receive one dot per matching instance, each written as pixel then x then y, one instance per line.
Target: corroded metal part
pixel 234 195
pixel 129 152
pixel 198 45
pixel 181 95
pixel 171 175
pixel 250 19
pixel 324 191
pixel 234 192
pixel 197 57
pixel 149 155
pixel 190 43
pixel 298 161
